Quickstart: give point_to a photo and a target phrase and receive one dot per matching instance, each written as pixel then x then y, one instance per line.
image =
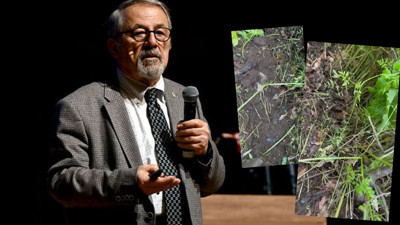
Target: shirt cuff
pixel 206 159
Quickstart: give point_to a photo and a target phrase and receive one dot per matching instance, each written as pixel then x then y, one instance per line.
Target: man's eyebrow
pixel 144 27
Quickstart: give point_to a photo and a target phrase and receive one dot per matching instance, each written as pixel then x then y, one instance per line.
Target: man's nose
pixel 151 40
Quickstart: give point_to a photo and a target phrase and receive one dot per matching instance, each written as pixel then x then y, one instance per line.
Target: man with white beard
pixel 109 138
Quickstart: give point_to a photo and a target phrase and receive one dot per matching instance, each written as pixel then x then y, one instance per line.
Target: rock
pixel 254 162
pixel 271 140
pixel 247 67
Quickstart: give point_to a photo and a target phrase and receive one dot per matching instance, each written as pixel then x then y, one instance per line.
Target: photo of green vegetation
pixel 269 67
pixel 348 131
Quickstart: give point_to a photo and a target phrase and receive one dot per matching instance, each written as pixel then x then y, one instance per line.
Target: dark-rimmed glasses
pixel 161 34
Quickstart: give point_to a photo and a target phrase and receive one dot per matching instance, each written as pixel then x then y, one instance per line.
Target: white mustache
pixel 151 52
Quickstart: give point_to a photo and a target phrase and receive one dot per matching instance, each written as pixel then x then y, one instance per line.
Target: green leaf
pixel 396 66
pixel 335 74
pixel 380 83
pixel 351 175
pixel 376 108
pixel 395 83
pixel 284 160
pixel 258 32
pixel 386 72
pixel 390 95
pixel 383 107
pixel 235 39
pixel 249 34
pixel 391 101
pixel 384 124
pixel 244 34
pixel 371 89
pixel 364 188
pixel 359 189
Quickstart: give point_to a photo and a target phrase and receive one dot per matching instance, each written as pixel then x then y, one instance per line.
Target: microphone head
pixel 190 94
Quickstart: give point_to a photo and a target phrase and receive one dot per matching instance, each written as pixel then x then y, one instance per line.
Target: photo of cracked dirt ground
pixel 348 131
pixel 269 70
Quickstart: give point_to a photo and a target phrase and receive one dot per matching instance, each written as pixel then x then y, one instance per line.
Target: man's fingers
pixel 194 123
pixel 164 183
pixel 193 135
pixel 195 147
pixel 188 139
pixel 149 186
pixel 192 132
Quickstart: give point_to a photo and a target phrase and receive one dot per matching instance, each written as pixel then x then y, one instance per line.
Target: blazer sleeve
pixel 212 167
pixel 70 178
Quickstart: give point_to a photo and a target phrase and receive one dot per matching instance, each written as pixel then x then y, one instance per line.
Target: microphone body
pixel 189 110
pixel 190 95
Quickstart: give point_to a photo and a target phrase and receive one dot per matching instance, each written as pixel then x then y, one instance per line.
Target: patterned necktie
pixel 163 140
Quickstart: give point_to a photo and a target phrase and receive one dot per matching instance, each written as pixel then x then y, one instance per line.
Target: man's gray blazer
pixel 95 159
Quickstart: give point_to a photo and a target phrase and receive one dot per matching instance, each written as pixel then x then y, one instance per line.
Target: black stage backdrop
pixel 61 45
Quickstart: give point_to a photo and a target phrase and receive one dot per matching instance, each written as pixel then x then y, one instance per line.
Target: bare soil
pixel 269 115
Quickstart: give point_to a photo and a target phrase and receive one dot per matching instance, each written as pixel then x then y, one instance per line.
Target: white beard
pixel 150 68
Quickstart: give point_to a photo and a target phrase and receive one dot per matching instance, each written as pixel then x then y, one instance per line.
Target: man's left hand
pixel 193 135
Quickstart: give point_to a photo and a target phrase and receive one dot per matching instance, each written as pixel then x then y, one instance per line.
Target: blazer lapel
pixel 174 102
pixel 120 121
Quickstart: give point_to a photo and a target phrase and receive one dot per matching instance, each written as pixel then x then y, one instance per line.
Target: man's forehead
pixel 145 15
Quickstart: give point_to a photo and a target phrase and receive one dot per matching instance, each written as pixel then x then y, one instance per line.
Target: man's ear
pixel 112 45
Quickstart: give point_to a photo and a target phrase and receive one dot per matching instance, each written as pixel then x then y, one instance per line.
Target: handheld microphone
pixel 190 95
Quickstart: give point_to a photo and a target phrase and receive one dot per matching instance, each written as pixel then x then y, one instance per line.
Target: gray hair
pixel 116 19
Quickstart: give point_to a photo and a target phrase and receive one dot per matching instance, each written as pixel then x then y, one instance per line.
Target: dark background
pixel 59 46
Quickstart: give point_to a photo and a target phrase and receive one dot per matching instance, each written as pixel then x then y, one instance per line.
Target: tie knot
pixel 151 95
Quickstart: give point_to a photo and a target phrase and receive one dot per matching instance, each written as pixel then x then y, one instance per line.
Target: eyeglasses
pixel 161 34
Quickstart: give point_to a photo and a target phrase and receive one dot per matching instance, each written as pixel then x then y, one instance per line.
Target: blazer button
pixel 125 198
pixel 149 217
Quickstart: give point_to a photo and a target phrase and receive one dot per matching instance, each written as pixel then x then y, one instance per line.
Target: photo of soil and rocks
pixel 348 131
pixel 269 67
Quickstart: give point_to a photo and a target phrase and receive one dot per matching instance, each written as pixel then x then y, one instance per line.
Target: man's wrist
pixel 207 157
